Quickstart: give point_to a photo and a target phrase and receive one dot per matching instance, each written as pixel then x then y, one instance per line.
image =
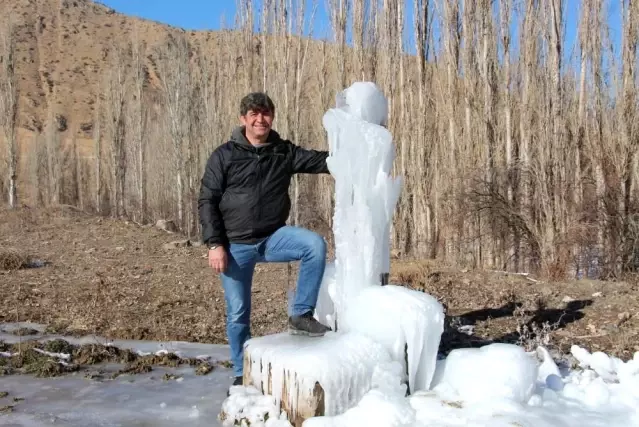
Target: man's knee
pixel 315 245
pixel 238 315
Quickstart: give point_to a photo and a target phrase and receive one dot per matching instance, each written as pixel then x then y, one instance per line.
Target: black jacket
pixel 244 191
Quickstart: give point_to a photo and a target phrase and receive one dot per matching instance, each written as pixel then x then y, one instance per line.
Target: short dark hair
pixel 256 101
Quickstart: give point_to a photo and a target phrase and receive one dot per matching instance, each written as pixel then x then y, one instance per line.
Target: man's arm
pixel 211 190
pixel 309 161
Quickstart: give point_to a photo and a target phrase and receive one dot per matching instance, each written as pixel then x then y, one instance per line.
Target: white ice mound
pixel 493 372
pixel 407 322
pixel 248 405
pixel 591 385
pixel 342 363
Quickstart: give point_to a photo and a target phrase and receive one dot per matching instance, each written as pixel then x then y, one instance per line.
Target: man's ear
pixel 243 120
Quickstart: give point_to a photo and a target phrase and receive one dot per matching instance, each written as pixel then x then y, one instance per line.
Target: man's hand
pixel 218 259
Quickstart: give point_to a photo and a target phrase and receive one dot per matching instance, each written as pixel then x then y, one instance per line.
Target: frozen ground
pixel 499 385
pixel 129 400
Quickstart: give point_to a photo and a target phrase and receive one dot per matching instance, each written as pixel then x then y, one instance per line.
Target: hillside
pixel 62 47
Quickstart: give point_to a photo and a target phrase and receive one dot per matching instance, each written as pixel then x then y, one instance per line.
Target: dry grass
pixel 12 260
pixel 115 279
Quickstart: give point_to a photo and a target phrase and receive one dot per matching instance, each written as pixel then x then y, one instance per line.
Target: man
pixel 243 207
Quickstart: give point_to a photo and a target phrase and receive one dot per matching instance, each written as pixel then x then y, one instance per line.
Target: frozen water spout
pixel 361 157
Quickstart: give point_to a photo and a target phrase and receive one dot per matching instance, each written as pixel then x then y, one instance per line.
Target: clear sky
pixel 216 14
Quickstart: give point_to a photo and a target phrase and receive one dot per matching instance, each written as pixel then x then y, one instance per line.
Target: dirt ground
pixel 124 281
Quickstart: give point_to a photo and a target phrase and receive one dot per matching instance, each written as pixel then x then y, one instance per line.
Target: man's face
pixel 257 123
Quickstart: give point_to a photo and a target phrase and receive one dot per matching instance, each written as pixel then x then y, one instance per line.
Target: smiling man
pixel 243 208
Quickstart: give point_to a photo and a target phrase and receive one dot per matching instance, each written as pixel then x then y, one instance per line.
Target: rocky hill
pixel 61 48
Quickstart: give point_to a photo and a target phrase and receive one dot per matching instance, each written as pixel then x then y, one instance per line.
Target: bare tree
pixel 53 155
pixel 138 119
pixel 556 141
pixel 97 141
pixel 339 18
pixel 175 75
pixel 116 93
pixel 9 106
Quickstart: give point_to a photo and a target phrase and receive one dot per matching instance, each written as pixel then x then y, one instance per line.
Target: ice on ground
pixel 498 385
pixel 210 352
pixel 342 363
pixel 128 400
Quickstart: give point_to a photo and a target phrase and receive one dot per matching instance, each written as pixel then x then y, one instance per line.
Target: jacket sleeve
pixel 211 190
pixel 309 161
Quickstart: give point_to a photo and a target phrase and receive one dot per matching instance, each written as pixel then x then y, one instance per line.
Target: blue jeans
pixel 286 244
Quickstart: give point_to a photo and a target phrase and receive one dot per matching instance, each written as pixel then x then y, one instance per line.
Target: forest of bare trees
pixel 513 157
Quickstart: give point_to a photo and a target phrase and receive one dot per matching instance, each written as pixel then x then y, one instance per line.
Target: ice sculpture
pixel 361 158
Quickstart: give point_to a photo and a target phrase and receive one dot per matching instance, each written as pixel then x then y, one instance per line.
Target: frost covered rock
pixel 495 371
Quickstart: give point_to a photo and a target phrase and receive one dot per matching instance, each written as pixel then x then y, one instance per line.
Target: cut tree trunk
pixel 277 365
pixel 307 405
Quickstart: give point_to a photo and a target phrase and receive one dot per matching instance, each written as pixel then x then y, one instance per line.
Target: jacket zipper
pixel 259 193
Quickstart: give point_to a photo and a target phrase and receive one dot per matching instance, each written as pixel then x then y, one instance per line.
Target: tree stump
pixel 311 377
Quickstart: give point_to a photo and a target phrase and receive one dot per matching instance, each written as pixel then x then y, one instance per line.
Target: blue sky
pixel 216 14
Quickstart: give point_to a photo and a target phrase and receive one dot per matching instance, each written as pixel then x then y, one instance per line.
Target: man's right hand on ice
pixel 218 259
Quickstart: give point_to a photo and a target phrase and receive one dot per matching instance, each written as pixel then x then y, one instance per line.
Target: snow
pixel 470 373
pixel 250 405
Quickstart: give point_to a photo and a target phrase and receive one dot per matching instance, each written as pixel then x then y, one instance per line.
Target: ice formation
pixel 249 406
pixel 470 373
pixel 408 323
pixel 289 366
pixel 360 161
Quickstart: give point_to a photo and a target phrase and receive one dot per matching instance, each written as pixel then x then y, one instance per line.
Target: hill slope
pixel 61 48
